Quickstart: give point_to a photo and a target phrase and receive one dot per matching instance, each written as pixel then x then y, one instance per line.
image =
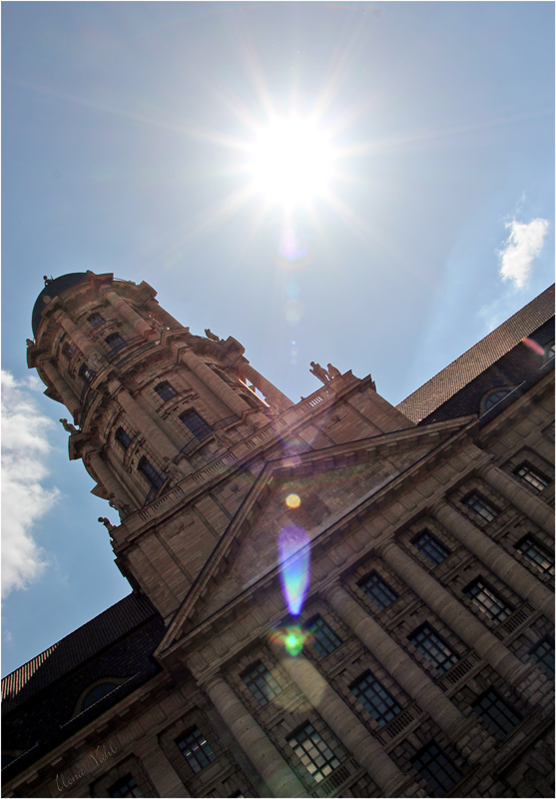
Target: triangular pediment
pixel 330 483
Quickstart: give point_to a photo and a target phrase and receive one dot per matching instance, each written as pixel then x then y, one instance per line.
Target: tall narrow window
pixel 314 753
pixel 68 350
pixel 435 768
pixel 377 590
pixel 325 640
pixel 433 648
pixel 486 598
pixel 498 715
pixel 86 374
pixel 194 747
pixel 479 505
pixel 125 787
pixel 536 554
pixel 375 699
pixel 429 546
pixel 115 341
pixel 533 477
pixel 261 683
pixel 122 437
pixel 95 320
pixel 196 424
pixel 543 652
pixel 147 469
pixel 165 391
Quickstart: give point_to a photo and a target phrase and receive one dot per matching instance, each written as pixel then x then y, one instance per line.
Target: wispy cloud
pixel 25 450
pixel 520 249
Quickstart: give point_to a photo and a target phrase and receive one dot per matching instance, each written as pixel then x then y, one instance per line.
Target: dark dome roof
pixel 54 289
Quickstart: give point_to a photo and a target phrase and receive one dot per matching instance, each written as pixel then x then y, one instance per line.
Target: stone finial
pixel 107 523
pixel 319 372
pixel 69 427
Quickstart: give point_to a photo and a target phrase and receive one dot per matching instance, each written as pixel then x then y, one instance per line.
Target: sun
pixel 291 161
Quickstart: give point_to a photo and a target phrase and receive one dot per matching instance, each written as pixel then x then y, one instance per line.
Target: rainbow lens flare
pixel 295 562
pixel 293 638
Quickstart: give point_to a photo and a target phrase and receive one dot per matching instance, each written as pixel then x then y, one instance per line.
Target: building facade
pixel 337 597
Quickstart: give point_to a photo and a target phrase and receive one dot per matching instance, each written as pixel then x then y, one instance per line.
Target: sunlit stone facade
pixel 422 661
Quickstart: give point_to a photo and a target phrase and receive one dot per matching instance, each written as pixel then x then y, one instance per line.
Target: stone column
pixel 512 490
pixel 210 379
pixel 86 346
pixel 161 773
pixel 495 558
pixel 267 389
pixel 458 618
pixel 66 392
pixel 157 439
pixel 262 753
pixel 342 720
pixel 139 325
pixel 107 477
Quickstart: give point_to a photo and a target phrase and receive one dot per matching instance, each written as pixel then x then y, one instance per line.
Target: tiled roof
pixel 75 649
pixel 481 356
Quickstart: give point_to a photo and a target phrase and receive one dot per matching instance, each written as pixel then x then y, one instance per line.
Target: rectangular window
pixel 435 768
pixel 125 787
pixel 377 590
pixel 95 320
pixel 165 391
pixel 122 437
pixel 67 350
pixel 196 424
pixel 536 554
pixel 147 469
pixel 497 714
pixel 431 646
pixel 429 546
pixel 194 747
pixel 375 699
pixel 543 652
pixel 316 756
pixel 532 476
pixel 324 639
pixel 488 600
pixel 479 505
pixel 86 373
pixel 261 683
pixel 114 341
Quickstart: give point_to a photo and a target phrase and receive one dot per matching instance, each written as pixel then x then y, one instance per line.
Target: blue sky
pixel 126 136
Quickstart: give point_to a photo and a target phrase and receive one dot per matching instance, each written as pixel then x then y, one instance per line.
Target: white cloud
pixel 522 245
pixel 25 450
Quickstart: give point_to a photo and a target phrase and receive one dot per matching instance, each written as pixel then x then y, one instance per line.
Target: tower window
pixel 115 341
pixel 96 320
pixel 196 424
pixel 261 683
pixel 165 391
pixel 433 648
pixel 122 437
pixel 86 373
pixel 435 768
pixel 477 504
pixel 375 699
pixel 486 598
pixel 147 469
pixel 378 590
pixel 195 749
pixel 543 652
pixel 97 693
pixel 430 547
pixel 536 554
pixel 324 639
pixel 497 714
pixel 68 350
pixel 532 476
pixel 125 787
pixel 315 755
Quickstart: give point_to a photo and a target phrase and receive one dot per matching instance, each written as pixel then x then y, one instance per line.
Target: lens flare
pixel 533 345
pixel 293 501
pixel 294 311
pixel 295 560
pixel 292 637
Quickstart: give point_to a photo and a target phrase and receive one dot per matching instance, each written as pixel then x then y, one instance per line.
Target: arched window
pixel 115 341
pixel 95 320
pixel 165 391
pixel 122 437
pixel 96 693
pixel 495 396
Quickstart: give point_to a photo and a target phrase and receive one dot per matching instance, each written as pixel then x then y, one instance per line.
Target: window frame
pixel 118 437
pixel 96 320
pixel 528 542
pixel 376 698
pixel 375 588
pixel 203 747
pixel 125 780
pixel 487 510
pixel 435 758
pixel 324 639
pixel 260 682
pixel 433 549
pixel 548 668
pixel 165 391
pixel 532 476
pixel 305 753
pixel 112 338
pixel 200 429
pixel 505 608
pixel 158 479
pixel 492 699
pixel 438 664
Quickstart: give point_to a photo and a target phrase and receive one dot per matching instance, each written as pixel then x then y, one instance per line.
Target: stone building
pixel 337 597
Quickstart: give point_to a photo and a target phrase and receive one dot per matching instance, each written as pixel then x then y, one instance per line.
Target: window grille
pixel 96 320
pixel 115 341
pixel 477 504
pixel 437 770
pixel 325 640
pixel 122 437
pixel 543 652
pixel 429 546
pixel 147 469
pixel 377 590
pixel 497 714
pixel 495 397
pixel 261 683
pixel 165 391
pixel 433 648
pixel 532 476
pixel 315 755
pixel 375 699
pixel 86 373
pixel 196 424
pixel 486 598
pixel 97 693
pixel 194 747
pixel 125 787
pixel 536 554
